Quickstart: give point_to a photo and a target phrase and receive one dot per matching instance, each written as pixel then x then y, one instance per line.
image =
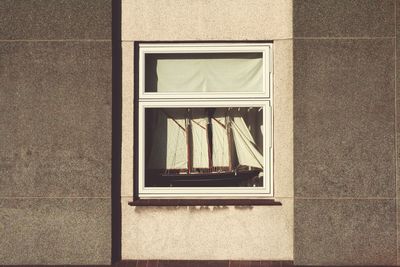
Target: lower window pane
pixel 204 147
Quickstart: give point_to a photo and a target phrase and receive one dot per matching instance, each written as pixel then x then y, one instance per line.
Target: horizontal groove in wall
pixel 347 198
pixel 66 40
pixel 343 38
pixel 194 263
pixel 57 197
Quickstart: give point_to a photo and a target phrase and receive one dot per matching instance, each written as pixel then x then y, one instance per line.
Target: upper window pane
pixel 231 70
pixel 204 72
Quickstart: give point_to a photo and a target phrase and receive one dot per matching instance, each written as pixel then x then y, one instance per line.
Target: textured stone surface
pixel 204 233
pixel 55 19
pixel 283 118
pixel 55 119
pixel 345 232
pixel 55 231
pixel 206 20
pixel 343 18
pixel 398 115
pixel 127 120
pixel 398 99
pixel 344 118
pixel 397 18
pixel 252 233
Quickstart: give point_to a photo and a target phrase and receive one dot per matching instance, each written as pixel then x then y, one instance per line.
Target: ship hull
pixel 229 178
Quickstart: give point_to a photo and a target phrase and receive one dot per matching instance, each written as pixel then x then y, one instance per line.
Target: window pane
pixel 204 72
pixel 204 147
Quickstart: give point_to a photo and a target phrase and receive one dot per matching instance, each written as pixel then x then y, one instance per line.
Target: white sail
pixel 247 152
pixel 220 145
pixel 169 148
pixel 200 139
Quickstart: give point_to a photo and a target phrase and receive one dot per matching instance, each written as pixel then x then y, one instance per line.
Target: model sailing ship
pixel 201 147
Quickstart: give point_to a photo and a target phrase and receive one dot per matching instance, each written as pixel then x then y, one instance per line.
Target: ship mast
pixel 210 162
pixel 230 145
pixel 188 142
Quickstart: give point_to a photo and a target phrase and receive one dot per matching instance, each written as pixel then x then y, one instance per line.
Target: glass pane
pixel 204 147
pixel 204 72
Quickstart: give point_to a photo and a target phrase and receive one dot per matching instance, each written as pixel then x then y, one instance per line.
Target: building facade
pixel 70 140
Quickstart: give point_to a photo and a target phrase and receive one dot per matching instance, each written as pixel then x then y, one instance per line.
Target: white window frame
pixel 262 99
pixel 265 49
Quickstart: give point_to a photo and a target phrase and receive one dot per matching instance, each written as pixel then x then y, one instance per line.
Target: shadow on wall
pixel 116 131
pixel 143 209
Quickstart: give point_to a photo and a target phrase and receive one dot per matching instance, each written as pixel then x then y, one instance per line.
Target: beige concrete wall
pixel 260 232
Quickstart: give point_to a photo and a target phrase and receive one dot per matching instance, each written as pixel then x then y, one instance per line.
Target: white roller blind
pixel 240 73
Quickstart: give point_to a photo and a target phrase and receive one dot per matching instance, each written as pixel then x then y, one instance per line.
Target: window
pixel 204 120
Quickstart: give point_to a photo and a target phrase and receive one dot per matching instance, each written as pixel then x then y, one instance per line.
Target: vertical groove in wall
pixel 395 128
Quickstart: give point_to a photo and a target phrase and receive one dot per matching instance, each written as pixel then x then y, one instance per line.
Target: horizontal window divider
pixel 204 202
